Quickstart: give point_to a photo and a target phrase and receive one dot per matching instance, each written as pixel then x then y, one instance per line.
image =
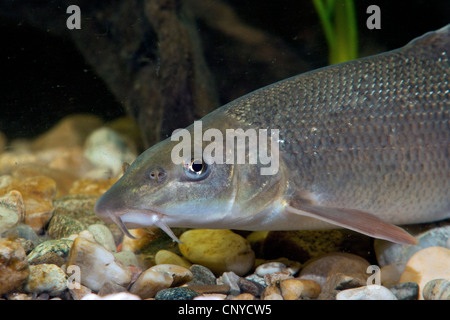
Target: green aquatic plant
pixel 338 19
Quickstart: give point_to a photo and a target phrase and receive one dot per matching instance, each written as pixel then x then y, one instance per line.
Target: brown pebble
pixel 294 289
pixel 244 296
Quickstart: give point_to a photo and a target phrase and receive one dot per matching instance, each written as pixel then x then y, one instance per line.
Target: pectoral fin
pixel 356 220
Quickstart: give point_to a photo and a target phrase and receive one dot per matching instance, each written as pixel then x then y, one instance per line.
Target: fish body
pixel 362 145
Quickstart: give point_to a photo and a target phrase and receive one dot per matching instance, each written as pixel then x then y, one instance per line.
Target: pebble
pixel 426 265
pixel 252 287
pixel 12 210
pixel 391 273
pixel 59 247
pixel 232 280
pixel 435 235
pixel 78 291
pixel 71 131
pixel 48 278
pixel 438 289
pixel 168 257
pixel 107 149
pixel 179 293
pixel 202 275
pixel 37 194
pixel 150 282
pixel 110 287
pixel 218 250
pixel 64 226
pixel 14 270
pixel 90 186
pixel 97 265
pixel 276 277
pixel 180 275
pixel 244 296
pixel 127 258
pixel 103 236
pixel 211 296
pixel 336 270
pixel 257 279
pixel 372 292
pixel 272 292
pixel 270 267
pixel 406 291
pixel 114 296
pixel 22 231
pixel 294 289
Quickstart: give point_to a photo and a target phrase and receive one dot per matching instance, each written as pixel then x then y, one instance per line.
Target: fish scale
pixel 362 122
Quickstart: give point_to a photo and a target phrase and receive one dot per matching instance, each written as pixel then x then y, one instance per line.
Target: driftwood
pixel 157 56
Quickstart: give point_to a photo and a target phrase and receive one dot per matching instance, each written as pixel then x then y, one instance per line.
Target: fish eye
pixel 196 169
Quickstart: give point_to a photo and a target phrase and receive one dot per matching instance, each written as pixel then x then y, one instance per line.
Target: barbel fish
pixel 362 145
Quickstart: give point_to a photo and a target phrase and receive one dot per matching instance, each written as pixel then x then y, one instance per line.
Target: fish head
pixel 194 192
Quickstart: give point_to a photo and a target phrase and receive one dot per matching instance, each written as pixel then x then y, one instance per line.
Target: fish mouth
pixel 142 218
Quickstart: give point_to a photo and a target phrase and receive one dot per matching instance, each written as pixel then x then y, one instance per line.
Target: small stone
pixel 391 273
pixel 294 289
pixel 257 279
pixel 63 180
pixel 103 236
pixel 71 131
pixel 19 296
pixel 372 292
pixel 64 226
pixel 426 265
pixel 150 282
pixel 59 247
pixel 48 258
pixel 340 281
pixel 179 293
pixel 270 267
pixel 437 289
pixel 47 278
pixel 202 275
pixel 78 207
pixel 37 193
pixel 428 235
pixel 244 296
pixel 78 291
pixel 210 288
pixel 110 287
pixel 143 239
pixel 14 270
pixel 12 210
pixel 272 292
pixel 323 270
pixel 107 149
pixel 114 296
pixel 127 258
pixel 180 275
pixel 168 257
pixel 252 287
pixel 219 250
pixel 211 296
pixel 89 186
pixel 406 291
pixel 22 231
pixel 97 265
pixel 231 279
pixel 277 277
